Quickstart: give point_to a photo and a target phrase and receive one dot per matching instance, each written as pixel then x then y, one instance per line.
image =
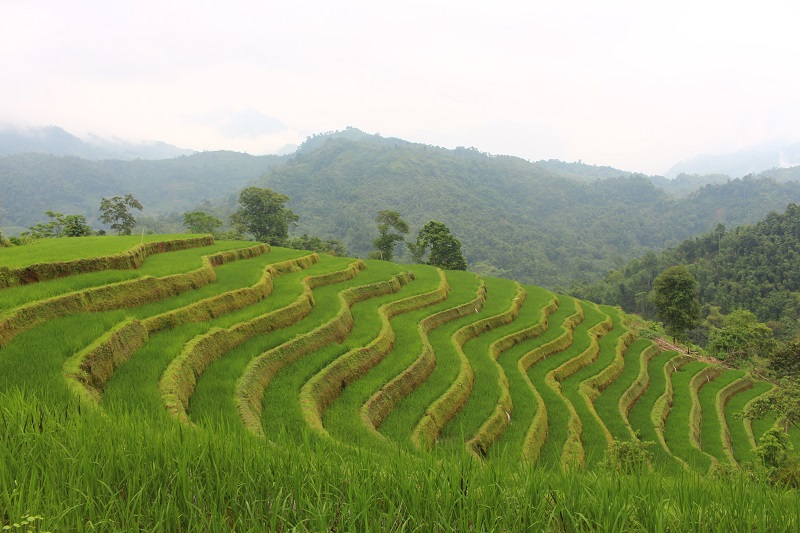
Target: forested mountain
pixel 515 218
pixel 34 183
pixel 544 222
pixel 754 267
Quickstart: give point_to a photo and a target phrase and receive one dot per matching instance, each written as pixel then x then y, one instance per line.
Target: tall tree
pixel 263 213
pixel 387 240
pixel 116 211
pixel 200 222
pixel 444 248
pixel 675 297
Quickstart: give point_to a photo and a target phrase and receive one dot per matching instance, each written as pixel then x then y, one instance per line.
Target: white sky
pixel 637 85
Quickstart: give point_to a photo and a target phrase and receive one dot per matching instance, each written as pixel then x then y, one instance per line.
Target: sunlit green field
pixel 289 391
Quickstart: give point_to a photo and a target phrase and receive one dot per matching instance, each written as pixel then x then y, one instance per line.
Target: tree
pixel 741 336
pixel 783 400
pixel 445 249
pixel 315 244
pixel 61 225
pixel 76 226
pixel 786 360
pixel 200 222
pixel 116 212
pixel 386 241
pixel 675 297
pixel 262 212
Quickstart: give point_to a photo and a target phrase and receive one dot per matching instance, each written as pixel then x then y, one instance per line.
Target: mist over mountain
pixel 755 160
pixel 57 141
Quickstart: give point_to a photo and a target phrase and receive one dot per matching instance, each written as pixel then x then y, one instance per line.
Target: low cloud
pixel 246 123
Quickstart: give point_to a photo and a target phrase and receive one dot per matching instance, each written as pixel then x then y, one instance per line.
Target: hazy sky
pixel 632 84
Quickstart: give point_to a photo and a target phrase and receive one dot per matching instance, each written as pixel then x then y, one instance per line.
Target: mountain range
pixel 546 222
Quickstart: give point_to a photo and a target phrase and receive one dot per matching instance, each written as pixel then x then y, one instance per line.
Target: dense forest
pixel 545 222
pixel 754 267
pixel 515 218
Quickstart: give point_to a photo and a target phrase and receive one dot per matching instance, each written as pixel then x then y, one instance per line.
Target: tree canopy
pixel 443 249
pixel 675 297
pixel 741 336
pixel 201 222
pixel 263 213
pixel 116 212
pixel 387 240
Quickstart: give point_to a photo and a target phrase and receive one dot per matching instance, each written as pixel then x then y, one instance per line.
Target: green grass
pixel 711 429
pixel 124 474
pixel 282 415
pixel 213 401
pixel 557 410
pixel 639 416
pixel 593 436
pixel 742 448
pixel 343 419
pixel 69 249
pixel 486 389
pixel 399 424
pixel 510 442
pixel 156 265
pixel 131 466
pixel 607 404
pixel 676 429
pixel 134 385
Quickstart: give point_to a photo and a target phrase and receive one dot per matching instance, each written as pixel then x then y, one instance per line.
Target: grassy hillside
pixel 230 385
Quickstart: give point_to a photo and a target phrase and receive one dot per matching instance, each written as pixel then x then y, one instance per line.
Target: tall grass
pixel 640 415
pixel 677 427
pixel 85 471
pixel 523 398
pixel 343 419
pixel 711 428
pixel 486 390
pixel 607 404
pixel 399 424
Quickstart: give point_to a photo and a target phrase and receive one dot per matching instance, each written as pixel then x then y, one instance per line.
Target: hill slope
pixel 203 377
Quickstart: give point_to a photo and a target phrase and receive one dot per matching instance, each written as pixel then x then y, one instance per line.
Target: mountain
pixel 56 141
pixel 545 222
pixel 741 163
pixel 34 183
pixel 515 218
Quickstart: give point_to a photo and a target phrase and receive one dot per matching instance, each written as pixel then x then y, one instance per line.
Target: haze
pixel 634 85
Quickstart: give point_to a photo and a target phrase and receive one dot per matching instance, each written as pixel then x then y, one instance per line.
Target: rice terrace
pixel 182 383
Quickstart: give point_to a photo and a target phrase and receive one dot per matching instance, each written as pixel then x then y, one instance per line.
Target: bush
pixel 629 456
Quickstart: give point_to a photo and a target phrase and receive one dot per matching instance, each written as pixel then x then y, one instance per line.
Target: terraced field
pixel 289 348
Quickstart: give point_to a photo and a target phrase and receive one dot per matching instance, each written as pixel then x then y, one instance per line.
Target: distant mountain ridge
pixel 33 183
pixel 755 160
pixel 57 141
